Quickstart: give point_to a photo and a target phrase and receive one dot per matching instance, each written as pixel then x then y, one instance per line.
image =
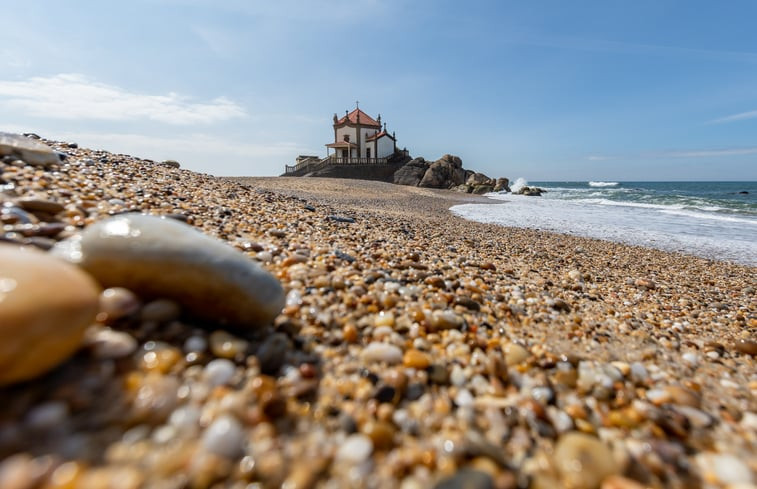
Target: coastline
pixel 508 336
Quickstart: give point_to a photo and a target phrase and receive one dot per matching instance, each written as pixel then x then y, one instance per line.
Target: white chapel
pixel 359 138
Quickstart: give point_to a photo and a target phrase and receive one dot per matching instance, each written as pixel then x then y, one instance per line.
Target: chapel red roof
pixel 379 135
pixel 365 119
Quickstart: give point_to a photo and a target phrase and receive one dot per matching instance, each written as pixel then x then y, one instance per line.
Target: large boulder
pixel 446 172
pixel 503 184
pixel 482 189
pixel 532 191
pixel 412 173
pixel 479 179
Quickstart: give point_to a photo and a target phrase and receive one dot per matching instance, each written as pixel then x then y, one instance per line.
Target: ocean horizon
pixel 715 219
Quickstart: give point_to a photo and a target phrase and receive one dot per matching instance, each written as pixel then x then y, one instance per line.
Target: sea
pixel 716 220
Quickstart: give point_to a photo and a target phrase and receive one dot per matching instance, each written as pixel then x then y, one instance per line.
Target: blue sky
pixel 545 90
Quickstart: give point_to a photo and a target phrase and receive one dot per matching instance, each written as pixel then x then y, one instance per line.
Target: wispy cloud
pixel 600 157
pixel 752 114
pixel 76 97
pixel 685 153
pixel 705 153
pixel 616 47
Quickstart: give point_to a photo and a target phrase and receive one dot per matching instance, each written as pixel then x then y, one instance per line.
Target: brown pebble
pixel 47 304
pixel 380 433
pixel 416 359
pixel 748 347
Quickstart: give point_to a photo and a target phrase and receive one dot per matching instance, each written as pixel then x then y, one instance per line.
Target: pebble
pixel 224 437
pixel 515 354
pixel 160 311
pixel 219 371
pixel 31 151
pixel 467 479
pixel 583 461
pixel 355 449
pixel 747 347
pixel 724 468
pixel 117 303
pixel 47 416
pixel 47 305
pixel 416 359
pixel 106 343
pixel 165 258
pixel 381 352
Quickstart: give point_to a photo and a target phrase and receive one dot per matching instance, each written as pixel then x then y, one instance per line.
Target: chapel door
pixel 344 153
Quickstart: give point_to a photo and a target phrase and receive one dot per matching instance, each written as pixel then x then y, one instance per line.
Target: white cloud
pixel 752 114
pixel 76 97
pixel 600 158
pixel 707 153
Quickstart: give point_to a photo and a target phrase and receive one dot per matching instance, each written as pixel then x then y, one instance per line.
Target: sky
pixel 541 90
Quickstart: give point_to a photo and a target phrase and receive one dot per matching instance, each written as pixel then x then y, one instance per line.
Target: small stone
pixel 40 205
pixel 165 258
pixel 225 345
pixel 219 371
pixel 385 393
pixel 438 374
pixel 690 358
pixel 583 461
pixel 47 304
pixel 384 318
pixel 160 311
pixel 467 479
pixel 446 320
pixel 355 449
pixel 684 396
pixel 416 359
pixel 747 347
pixel 724 468
pixel 47 416
pixel 224 437
pixel 381 352
pixel 381 434
pixel 272 353
pixel 515 354
pixel 106 343
pixel 32 152
pixel 117 303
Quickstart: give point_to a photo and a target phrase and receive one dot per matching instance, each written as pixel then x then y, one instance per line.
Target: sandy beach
pixel 415 349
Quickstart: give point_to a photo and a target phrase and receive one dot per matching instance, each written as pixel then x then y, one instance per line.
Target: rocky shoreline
pixel 414 349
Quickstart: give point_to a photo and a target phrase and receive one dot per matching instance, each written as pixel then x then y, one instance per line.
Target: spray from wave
pixel 518 184
pixel 604 184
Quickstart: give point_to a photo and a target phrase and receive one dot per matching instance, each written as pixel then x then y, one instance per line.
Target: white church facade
pixel 359 136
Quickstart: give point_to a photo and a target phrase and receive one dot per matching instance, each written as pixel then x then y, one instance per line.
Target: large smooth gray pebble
pixel 162 258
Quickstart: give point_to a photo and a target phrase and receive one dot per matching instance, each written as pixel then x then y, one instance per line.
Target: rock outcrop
pixel 412 173
pixel 532 191
pixel 448 173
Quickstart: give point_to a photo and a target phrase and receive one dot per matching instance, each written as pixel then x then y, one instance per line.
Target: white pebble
pixel 185 418
pixel 224 437
pixel 109 344
pixel 464 398
pixel 727 468
pixel 639 373
pixel 164 434
pixel 381 352
pixel 690 358
pixel 457 377
pixel 219 371
pixel 195 344
pixel 355 449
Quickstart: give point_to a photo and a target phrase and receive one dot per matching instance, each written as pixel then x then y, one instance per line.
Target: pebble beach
pixel 328 333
